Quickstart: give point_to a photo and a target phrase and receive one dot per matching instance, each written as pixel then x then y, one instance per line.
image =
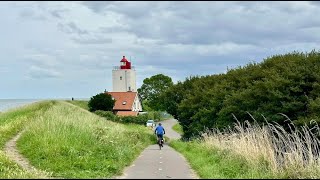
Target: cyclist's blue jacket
pixel 159 130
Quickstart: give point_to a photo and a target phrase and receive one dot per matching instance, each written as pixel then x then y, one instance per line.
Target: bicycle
pixel 160 141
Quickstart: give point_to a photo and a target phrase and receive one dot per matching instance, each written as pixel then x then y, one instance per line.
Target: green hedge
pixel 140 119
pixel 108 114
pixel 282 84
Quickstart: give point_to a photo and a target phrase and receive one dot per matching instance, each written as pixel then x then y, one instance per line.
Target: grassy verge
pixel 10 170
pixel 178 128
pixel 80 103
pixel 11 122
pixel 255 151
pixel 291 154
pixel 73 143
pixel 212 163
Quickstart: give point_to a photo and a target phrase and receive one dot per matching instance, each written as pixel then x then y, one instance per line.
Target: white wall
pixel 128 81
pixel 136 104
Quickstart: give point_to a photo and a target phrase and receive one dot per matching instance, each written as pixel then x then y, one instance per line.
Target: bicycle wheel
pixel 159 142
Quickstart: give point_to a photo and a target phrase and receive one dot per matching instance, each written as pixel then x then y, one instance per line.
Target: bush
pixel 140 119
pixel 108 115
pixel 129 119
pixel 286 84
pixel 101 101
pixel 155 115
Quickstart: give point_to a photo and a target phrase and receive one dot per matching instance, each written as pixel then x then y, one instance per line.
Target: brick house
pixel 127 103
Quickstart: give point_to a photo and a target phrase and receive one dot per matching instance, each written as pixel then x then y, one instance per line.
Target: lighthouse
pixel 124 77
pixel 127 100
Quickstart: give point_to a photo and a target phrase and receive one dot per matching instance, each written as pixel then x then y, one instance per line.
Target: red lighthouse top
pixel 125 64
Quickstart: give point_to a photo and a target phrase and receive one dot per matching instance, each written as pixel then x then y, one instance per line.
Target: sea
pixel 6 104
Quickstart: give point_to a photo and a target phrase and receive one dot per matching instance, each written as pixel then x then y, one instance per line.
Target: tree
pixel 286 84
pixel 101 101
pixel 152 88
pixel 171 97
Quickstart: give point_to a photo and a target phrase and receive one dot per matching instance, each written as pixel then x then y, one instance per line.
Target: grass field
pixel 67 141
pixel 214 163
pixel 178 128
pixel 11 122
pixel 74 143
pixel 70 142
pixel 254 152
pixel 81 103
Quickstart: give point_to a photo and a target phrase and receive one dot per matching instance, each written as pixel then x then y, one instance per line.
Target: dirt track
pixel 13 154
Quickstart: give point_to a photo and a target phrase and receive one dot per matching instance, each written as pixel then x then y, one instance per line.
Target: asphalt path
pixel 166 163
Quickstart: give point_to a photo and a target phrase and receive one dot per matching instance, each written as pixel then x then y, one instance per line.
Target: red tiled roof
pixel 127 113
pixel 120 97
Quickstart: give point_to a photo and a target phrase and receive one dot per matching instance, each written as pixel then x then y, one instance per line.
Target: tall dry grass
pixel 293 153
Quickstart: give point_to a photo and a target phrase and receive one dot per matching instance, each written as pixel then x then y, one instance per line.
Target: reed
pixel 290 154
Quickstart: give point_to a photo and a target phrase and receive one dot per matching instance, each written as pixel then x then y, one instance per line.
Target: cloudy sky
pixel 68 49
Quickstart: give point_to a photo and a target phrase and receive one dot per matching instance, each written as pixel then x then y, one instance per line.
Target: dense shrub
pixel 101 101
pixel 140 119
pixel 155 115
pixel 108 115
pixel 282 84
pixel 151 89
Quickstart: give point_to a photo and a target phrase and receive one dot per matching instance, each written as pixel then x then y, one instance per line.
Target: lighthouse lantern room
pixel 125 64
pixel 124 78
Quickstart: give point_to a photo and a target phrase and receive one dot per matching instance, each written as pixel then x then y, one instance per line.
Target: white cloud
pixel 43 60
pixel 78 43
pixel 93 40
pixel 36 72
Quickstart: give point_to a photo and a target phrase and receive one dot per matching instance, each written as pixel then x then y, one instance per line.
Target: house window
pixel 120 77
pixel 129 88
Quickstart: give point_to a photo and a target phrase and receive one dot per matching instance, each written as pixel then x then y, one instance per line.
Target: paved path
pixel 167 124
pixel 166 163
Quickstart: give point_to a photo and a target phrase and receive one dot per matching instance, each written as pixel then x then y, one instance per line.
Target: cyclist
pixel 160 132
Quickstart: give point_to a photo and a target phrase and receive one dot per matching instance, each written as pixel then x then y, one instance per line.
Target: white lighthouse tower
pixel 124 91
pixel 124 77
